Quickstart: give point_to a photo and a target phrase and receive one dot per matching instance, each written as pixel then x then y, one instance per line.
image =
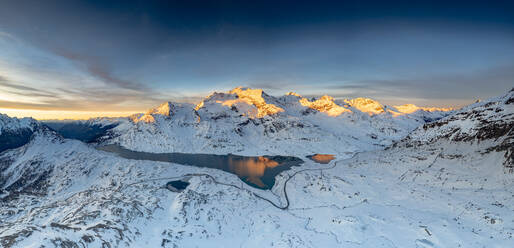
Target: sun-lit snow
pixel 253 97
pixel 325 104
pixel 365 105
pixel 293 94
pixel 411 108
pixel 233 122
pixel 165 109
pixel 249 101
pixel 446 184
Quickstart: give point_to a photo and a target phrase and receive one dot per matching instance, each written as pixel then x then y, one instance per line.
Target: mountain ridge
pixel 326 104
pixel 248 122
pixel 15 132
pixel 434 187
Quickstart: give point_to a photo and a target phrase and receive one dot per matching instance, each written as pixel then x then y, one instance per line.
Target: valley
pixel 236 171
pixel 259 172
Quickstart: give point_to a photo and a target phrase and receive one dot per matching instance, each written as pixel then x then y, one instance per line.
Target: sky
pixel 78 59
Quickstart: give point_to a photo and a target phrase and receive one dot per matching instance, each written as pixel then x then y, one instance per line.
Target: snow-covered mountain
pixel 15 132
pixel 84 130
pixel 488 125
pixel 249 121
pixel 448 183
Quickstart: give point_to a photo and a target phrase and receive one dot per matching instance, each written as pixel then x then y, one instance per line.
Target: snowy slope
pixel 486 122
pixel 15 132
pixel 438 187
pixel 251 122
pixel 8 124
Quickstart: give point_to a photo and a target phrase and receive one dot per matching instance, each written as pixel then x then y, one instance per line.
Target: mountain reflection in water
pixel 321 158
pixel 259 171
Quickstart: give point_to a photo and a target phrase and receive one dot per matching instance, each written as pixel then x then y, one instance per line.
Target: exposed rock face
pixel 250 102
pixel 326 105
pixel 489 124
pixel 254 97
pixel 31 177
pixel 441 186
pixel 15 132
pixel 249 121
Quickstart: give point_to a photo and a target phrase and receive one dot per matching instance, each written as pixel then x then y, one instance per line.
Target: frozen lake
pixel 257 171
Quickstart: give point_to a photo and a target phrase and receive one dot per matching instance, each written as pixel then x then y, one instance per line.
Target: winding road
pixel 285 207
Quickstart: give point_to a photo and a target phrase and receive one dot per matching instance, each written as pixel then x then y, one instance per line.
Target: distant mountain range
pixel 403 176
pixel 249 121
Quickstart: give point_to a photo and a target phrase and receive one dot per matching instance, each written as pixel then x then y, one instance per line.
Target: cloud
pixel 17 89
pixel 33 94
pixel 38 106
pixel 39 79
pixel 77 97
pixel 454 89
pixel 97 69
pixel 5 35
pixel 265 85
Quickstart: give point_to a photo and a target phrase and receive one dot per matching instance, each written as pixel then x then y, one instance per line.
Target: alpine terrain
pixel 370 175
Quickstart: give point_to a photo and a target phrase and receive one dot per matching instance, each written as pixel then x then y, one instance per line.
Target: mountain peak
pixel 15 132
pixel 255 103
pixel 250 101
pixel 13 123
pixel 326 105
pixel 290 93
pixel 253 97
pixel 165 109
pixel 248 93
pixel 411 108
pixel 366 105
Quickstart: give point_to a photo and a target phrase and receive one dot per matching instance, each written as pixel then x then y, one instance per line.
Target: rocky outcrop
pixel 15 132
pixel 489 124
pixel 325 104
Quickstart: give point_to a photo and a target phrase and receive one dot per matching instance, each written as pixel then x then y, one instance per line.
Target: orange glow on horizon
pixel 62 114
